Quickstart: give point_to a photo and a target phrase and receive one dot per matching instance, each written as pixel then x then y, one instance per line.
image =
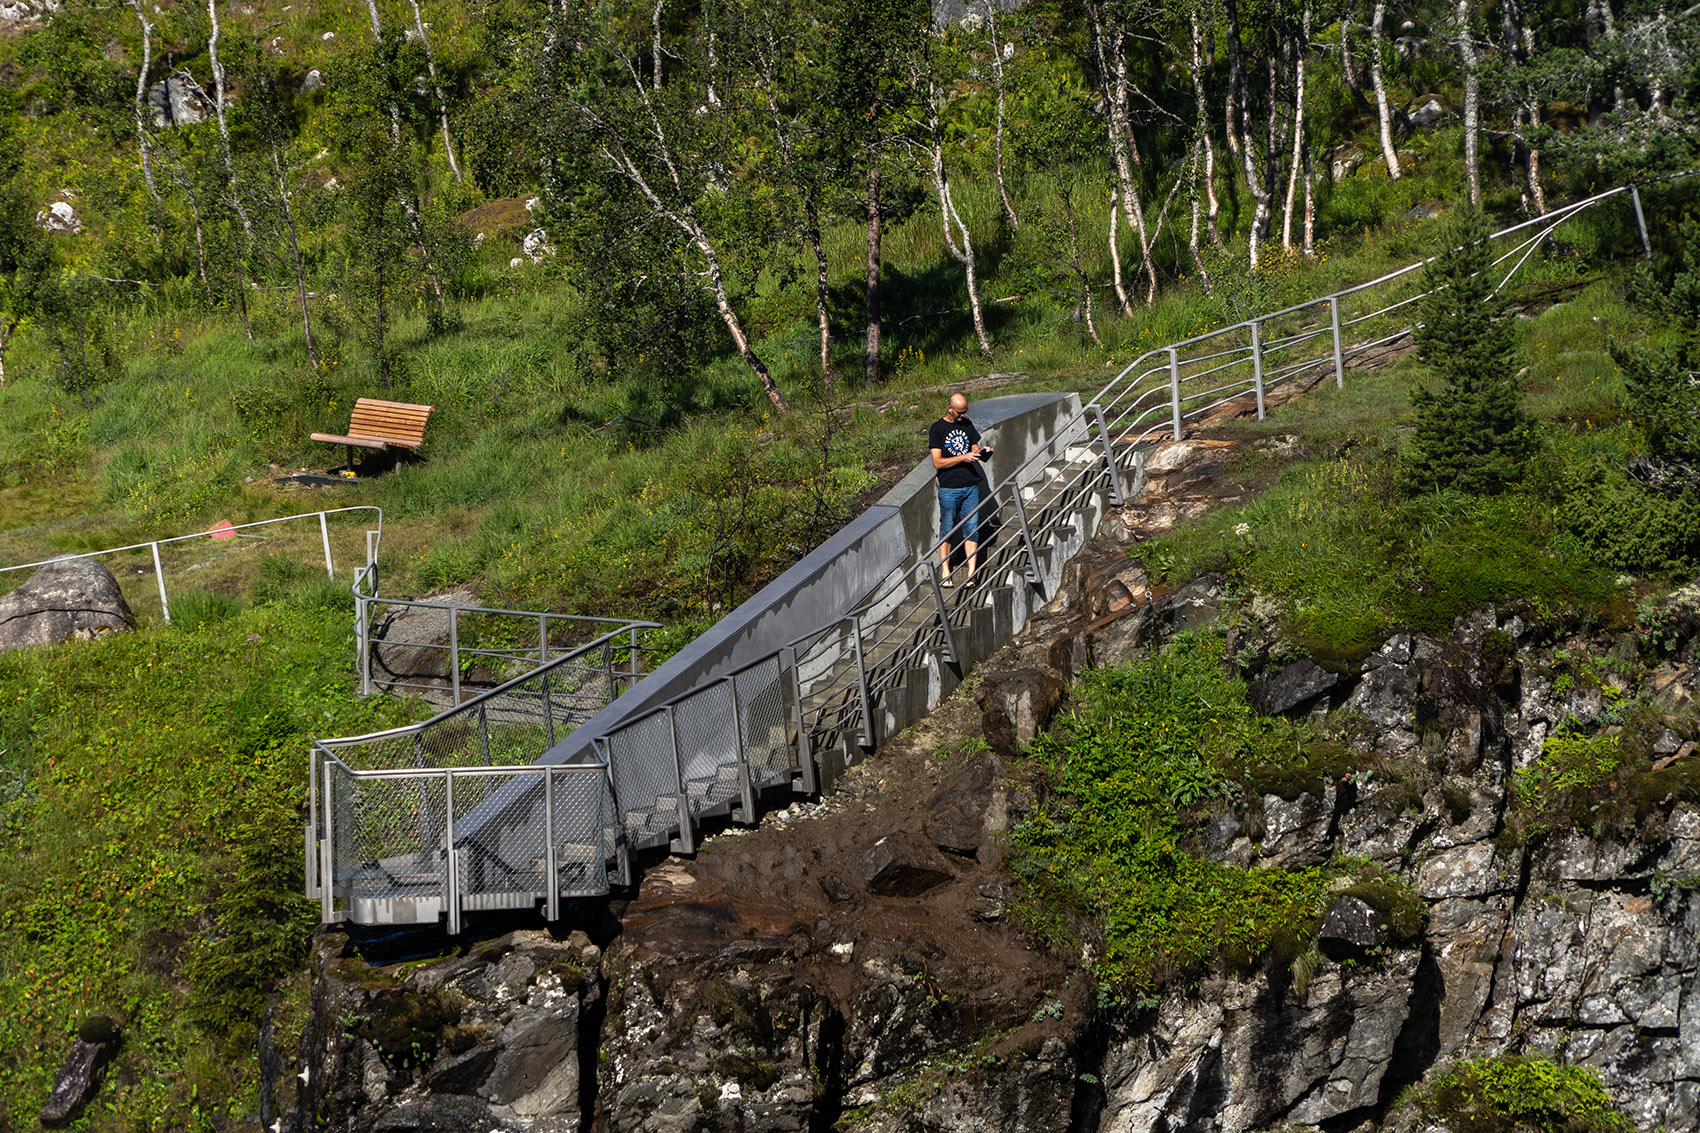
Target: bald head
pixel 958 405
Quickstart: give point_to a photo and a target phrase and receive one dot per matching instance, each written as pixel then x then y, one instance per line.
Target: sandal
pixel 946 584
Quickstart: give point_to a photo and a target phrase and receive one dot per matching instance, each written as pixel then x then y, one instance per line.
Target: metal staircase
pixel 451 815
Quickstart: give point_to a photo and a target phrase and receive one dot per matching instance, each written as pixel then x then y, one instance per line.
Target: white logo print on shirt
pixel 956 442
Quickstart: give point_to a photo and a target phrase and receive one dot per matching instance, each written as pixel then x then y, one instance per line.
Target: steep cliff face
pixel 854 964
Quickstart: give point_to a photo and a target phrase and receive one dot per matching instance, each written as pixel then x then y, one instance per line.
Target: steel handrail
pixel 208 534
pixel 477 702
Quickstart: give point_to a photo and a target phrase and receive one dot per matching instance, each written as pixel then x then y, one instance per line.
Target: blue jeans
pixel 959 504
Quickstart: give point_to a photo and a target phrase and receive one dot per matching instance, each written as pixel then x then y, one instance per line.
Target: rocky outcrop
pixel 491 1040
pixel 852 963
pixel 66 600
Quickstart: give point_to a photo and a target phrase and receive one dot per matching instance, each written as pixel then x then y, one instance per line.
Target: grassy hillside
pixel 150 785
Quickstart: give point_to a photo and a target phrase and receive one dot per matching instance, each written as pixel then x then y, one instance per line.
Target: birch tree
pixel 652 141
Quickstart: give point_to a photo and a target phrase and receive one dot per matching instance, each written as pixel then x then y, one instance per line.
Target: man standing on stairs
pixel 955 445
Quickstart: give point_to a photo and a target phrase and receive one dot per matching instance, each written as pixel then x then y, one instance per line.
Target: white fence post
pixel 159 577
pixel 1175 392
pixel 1257 363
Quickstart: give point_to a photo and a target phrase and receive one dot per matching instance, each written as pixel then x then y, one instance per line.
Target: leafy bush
pixel 1521 1095
pixel 1146 744
pixel 1627 524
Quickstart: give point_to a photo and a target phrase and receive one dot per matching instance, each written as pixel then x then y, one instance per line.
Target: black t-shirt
pixel 954 439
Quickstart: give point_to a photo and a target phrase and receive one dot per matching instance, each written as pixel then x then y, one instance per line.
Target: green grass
pixel 1351 559
pixel 150 786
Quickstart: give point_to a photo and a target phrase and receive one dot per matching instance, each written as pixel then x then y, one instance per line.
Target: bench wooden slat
pixel 366 414
pixel 359 442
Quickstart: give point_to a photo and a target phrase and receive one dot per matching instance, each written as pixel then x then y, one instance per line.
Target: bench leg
pixel 350 449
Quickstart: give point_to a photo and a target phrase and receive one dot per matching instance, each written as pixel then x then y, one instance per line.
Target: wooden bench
pixel 381 425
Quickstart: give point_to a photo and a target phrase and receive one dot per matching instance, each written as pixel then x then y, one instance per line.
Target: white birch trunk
pixel 1472 104
pixel 1123 305
pixel 957 242
pixel 142 142
pixel 997 137
pixel 1203 127
pixel 1375 77
pixel 436 89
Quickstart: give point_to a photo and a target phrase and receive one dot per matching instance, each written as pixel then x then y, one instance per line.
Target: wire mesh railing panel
pixel 640 760
pixel 707 741
pixel 505 857
pixel 398 835
pixel 581 815
pixel 763 715
pixel 340 801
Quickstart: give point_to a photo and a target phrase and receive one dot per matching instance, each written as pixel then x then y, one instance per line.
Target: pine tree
pixel 1470 433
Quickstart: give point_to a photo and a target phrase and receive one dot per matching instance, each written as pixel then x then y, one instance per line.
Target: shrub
pixel 1572 766
pixel 1629 525
pixel 1522 1095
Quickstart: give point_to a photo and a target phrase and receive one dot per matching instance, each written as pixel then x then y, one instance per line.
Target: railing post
pixel 1339 357
pixel 548 712
pixel 325 536
pixel 687 842
pixel 1641 221
pixel 867 737
pixel 542 639
pixel 1175 392
pixel 327 851
pixel 451 898
pixel 746 789
pixel 363 635
pixel 805 743
pixel 1037 578
pixel 608 669
pixel 310 849
pixel 484 732
pixel 454 652
pixel 632 636
pixel 1116 496
pixel 159 577
pixel 944 618
pixel 1257 363
pixel 551 866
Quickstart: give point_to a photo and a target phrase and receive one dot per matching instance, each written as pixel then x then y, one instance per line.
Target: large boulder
pixel 1016 706
pixel 67 599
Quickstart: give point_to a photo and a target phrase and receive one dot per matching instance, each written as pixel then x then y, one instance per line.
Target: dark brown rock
pixel 69 599
pixel 956 818
pixel 1016 706
pixel 900 865
pixel 78 1082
